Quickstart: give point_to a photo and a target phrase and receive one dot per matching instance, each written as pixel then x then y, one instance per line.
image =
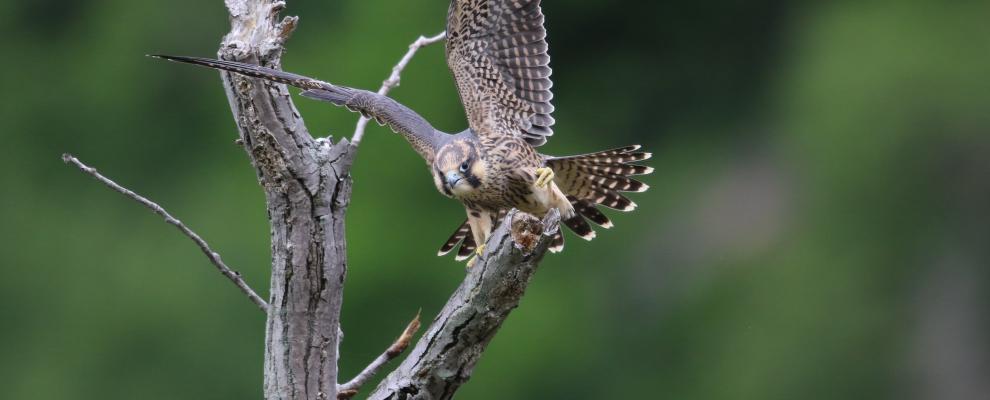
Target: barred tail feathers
pixel 467 248
pixel 599 178
pixel 557 244
pixel 462 231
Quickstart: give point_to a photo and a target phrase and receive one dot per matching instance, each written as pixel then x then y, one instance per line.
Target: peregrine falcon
pixel 497 52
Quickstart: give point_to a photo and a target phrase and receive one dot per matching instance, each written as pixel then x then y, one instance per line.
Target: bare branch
pixel 349 389
pixel 393 79
pixel 214 257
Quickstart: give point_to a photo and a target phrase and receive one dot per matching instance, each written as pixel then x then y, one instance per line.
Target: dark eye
pixel 464 166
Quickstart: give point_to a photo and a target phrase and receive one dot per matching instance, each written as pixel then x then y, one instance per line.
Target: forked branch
pixel 214 257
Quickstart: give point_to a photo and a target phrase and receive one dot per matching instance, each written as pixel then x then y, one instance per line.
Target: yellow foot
pixel 545 176
pixel 477 255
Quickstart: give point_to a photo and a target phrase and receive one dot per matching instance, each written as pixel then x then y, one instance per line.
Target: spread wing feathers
pixel 599 178
pixel 497 51
pixel 382 109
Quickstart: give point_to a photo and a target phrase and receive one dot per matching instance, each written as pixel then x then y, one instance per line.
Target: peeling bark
pixel 307 189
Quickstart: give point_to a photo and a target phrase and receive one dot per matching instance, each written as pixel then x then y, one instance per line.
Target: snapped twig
pixel 349 389
pixel 214 257
pixel 394 78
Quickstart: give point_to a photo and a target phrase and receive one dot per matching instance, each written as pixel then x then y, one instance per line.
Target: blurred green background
pixel 818 226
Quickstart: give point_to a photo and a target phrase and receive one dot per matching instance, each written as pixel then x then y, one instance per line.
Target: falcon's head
pixel 458 169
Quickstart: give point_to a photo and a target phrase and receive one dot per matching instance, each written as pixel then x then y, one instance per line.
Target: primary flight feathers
pixel 382 109
pixel 497 52
pixel 255 71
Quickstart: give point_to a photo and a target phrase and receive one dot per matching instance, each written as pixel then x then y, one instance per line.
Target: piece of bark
pixel 446 354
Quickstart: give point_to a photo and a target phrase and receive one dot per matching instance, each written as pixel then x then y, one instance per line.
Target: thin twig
pixel 214 257
pixel 349 389
pixel 394 78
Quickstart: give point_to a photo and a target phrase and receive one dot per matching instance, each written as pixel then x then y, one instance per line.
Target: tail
pixel 463 237
pixel 254 71
pixel 594 179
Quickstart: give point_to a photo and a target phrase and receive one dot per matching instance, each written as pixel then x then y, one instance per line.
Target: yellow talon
pixel 477 254
pixel 545 176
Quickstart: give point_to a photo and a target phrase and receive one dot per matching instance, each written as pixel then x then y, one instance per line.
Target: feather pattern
pixel 385 111
pixel 599 178
pixel 557 244
pixel 462 231
pixel 467 248
pixel 497 52
pixel 464 237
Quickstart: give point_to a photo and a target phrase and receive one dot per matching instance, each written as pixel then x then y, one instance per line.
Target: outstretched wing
pixel 417 131
pixel 497 51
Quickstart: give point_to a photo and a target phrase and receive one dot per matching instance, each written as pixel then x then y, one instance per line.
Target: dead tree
pixel 307 187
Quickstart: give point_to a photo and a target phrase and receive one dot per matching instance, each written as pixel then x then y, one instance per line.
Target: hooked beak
pixel 453 178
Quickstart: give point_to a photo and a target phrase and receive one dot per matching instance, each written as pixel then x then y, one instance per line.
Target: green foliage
pixel 815 163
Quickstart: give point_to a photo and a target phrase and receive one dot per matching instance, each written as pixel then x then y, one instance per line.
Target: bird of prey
pixel 497 52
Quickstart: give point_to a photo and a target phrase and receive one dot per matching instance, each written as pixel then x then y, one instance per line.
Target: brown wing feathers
pixel 497 51
pixel 255 71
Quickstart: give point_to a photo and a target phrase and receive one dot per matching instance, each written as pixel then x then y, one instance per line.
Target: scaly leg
pixel 477 254
pixel 481 228
pixel 545 175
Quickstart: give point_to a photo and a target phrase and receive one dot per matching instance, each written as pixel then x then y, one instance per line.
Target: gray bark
pixel 445 356
pixel 307 189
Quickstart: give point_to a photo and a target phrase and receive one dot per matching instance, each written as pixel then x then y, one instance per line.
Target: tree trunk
pixel 307 189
